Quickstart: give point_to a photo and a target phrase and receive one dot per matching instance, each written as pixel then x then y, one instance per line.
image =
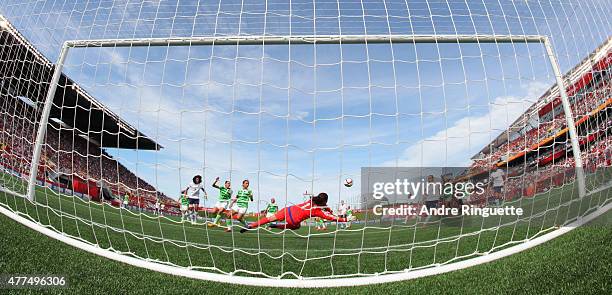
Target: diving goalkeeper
pixel 294 215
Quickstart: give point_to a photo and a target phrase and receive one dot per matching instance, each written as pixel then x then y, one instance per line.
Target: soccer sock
pixel 228 222
pixel 277 225
pixel 243 222
pixel 217 218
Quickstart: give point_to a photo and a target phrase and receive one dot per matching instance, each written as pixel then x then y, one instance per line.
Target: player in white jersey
pixel 342 212
pixel 193 193
pixel 497 182
pixel 157 207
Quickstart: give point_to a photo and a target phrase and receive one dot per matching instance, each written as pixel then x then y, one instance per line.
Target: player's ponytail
pixel 320 199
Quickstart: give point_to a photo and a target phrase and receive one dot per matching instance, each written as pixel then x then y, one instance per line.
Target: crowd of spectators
pixel 68 154
pixel 584 101
pixel 526 181
pixel 552 163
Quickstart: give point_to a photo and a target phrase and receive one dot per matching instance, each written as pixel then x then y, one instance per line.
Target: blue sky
pixel 303 117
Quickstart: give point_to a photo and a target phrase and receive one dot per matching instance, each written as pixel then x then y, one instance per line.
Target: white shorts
pixel 240 210
pixel 222 205
pixel 268 215
pixel 184 207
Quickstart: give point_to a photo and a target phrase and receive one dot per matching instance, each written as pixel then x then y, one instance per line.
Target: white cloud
pixel 455 145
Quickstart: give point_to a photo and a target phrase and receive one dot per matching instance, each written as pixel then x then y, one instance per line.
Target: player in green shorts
pixel 223 204
pixel 240 205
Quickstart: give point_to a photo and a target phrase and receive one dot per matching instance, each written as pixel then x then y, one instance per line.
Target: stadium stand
pixel 538 156
pixel 73 160
pixel 535 151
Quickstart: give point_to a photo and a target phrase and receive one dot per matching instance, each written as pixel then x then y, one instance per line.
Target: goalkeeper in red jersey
pixel 294 215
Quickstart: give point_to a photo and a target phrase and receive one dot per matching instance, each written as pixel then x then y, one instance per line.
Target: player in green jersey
pixel 349 216
pixel 126 200
pixel 271 209
pixel 223 204
pixel 184 201
pixel 240 204
pixel 320 224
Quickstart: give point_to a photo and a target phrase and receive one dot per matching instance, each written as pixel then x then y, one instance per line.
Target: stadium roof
pixel 94 121
pixel 572 78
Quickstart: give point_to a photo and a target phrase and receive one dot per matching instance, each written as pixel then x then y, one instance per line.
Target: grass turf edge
pixel 579 262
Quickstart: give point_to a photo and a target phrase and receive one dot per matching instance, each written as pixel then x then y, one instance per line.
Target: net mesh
pixel 130 125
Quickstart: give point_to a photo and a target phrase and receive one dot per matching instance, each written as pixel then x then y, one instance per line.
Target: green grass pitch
pixel 378 248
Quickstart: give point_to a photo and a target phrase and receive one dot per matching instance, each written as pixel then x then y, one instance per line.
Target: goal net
pixel 111 110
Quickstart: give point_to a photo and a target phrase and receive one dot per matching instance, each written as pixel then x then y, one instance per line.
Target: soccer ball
pixel 348 182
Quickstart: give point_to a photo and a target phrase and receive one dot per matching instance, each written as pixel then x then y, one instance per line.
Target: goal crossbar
pixel 306 39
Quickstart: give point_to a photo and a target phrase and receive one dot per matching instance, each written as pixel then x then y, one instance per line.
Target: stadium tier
pixel 542 128
pixel 74 158
pixel 535 151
